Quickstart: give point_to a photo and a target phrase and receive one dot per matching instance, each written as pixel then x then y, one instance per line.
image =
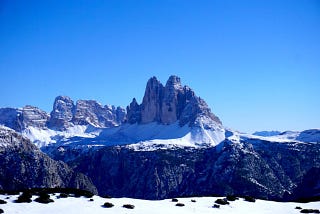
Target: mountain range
pixel 169 145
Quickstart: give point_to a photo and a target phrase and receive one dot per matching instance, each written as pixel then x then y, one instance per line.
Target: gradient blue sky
pixel 256 63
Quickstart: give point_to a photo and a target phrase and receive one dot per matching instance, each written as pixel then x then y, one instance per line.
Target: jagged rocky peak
pixel 169 104
pixel 21 118
pixel 133 112
pixel 85 112
pixel 121 115
pixel 62 113
pixel 151 104
pixel 174 82
pixel 169 110
pixel 35 117
pixel 93 113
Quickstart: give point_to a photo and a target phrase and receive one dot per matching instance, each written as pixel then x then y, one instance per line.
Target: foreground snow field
pixel 74 205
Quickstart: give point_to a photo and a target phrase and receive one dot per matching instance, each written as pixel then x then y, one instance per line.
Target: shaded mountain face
pixel 169 104
pixel 259 168
pixel 23 166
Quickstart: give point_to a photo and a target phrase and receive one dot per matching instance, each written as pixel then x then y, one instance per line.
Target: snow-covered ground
pixel 153 136
pixel 146 135
pixel 203 205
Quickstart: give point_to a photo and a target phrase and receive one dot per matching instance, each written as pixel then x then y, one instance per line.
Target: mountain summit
pixel 170 111
pixel 169 104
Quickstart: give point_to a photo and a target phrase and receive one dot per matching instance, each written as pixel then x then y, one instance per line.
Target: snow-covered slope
pixel 174 134
pixel 141 135
pixel 306 136
pixel 169 114
pixel 201 205
pixel 45 137
pixel 154 135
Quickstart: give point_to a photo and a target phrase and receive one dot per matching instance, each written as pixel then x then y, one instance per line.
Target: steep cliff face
pixel 66 114
pixel 134 112
pixel 170 111
pixel 169 104
pixel 62 113
pixel 24 166
pixel 19 119
pixel 93 113
pixel 151 104
pixel 33 116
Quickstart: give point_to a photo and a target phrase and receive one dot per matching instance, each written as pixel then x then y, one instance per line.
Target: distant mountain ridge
pixel 266 133
pixel 164 105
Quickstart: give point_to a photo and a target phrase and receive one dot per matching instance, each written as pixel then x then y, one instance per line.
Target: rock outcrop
pixel 23 166
pixel 33 116
pixel 162 104
pixel 151 104
pixel 133 112
pixel 19 119
pixel 62 113
pixel 65 114
pixel 93 113
pixel 169 104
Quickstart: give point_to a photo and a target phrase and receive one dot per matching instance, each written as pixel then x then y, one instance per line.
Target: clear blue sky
pixel 256 63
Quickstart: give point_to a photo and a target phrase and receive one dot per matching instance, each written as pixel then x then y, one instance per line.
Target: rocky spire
pixel 151 104
pixel 133 112
pixel 173 88
pixel 169 104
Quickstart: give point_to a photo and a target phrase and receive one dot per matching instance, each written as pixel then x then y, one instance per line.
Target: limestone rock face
pixel 62 113
pixel 195 108
pixel 65 114
pixel 120 114
pixel 151 104
pixel 93 113
pixel 170 111
pixel 85 112
pixel 134 112
pixel 169 104
pixel 162 104
pixel 19 119
pixel 33 116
